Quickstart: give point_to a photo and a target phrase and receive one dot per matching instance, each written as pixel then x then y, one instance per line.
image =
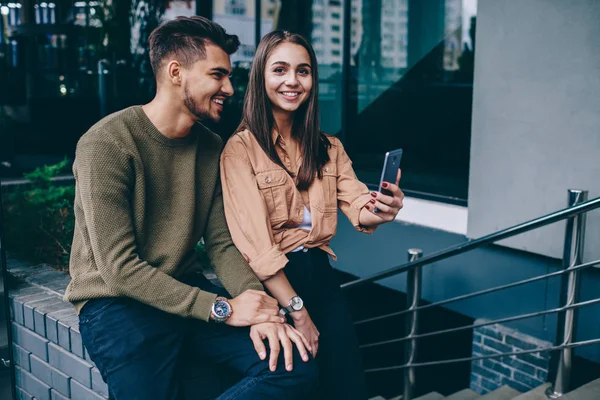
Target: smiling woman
pixel 283 181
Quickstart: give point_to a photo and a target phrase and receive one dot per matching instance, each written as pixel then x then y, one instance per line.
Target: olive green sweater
pixel 142 203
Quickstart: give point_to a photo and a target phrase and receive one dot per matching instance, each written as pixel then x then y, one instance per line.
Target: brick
pixel 519 365
pixel 497 367
pixel 39 315
pixel 52 323
pixel 489 385
pixel 64 331
pixel 57 396
pixel 98 384
pixel 23 395
pixel 477 337
pixel 71 365
pixel 497 346
pixel 486 373
pixel 50 376
pixel 490 331
pixel 76 341
pixel 41 370
pixel 80 392
pixel 541 374
pixel 520 343
pixel 18 312
pixel 532 359
pixel 30 341
pixel 527 380
pixel 517 385
pixel 11 308
pixel 479 389
pixel 21 357
pixel 32 385
pixel 30 306
pixel 477 348
pixel 61 382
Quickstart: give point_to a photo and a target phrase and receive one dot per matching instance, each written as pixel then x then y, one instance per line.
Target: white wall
pixel 536 117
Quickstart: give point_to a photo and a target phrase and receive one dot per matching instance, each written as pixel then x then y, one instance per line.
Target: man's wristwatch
pixel 221 310
pixel 296 304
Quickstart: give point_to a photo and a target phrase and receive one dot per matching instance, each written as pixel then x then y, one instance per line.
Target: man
pixel 147 190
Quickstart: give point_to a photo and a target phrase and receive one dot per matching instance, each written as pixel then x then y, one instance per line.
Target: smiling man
pixel 148 189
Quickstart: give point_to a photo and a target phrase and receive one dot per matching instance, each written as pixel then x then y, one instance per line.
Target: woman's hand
pixel 383 208
pixel 304 324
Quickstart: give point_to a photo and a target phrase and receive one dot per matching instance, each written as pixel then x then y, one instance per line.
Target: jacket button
pixel 268 180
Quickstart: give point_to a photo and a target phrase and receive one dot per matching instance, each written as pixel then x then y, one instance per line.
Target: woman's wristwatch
pixel 221 310
pixel 295 304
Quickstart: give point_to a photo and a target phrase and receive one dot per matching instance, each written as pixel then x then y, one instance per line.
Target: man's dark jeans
pixel 144 353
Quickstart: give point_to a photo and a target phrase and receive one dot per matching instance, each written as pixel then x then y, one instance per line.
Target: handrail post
pixel 413 296
pixel 561 365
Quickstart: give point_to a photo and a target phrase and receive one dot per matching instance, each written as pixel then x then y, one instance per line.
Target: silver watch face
pixel 296 303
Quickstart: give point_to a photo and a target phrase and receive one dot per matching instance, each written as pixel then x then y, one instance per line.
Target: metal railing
pixel 572 265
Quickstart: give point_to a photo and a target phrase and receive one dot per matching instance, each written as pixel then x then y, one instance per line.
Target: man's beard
pixel 198 112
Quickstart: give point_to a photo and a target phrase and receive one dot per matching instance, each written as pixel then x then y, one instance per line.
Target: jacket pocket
pixel 273 186
pixel 327 200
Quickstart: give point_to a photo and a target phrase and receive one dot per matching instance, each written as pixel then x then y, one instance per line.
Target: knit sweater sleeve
pixel 231 267
pixel 105 180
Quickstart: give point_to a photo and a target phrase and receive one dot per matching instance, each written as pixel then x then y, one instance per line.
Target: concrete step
pixel 431 396
pixel 466 394
pixel 504 393
pixel 590 391
pixel 539 393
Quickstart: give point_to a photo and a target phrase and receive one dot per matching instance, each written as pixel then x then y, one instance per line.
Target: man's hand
pixel 305 325
pixel 383 208
pixel 254 307
pixel 276 333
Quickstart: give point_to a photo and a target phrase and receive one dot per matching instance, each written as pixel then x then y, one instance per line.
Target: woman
pixel 283 181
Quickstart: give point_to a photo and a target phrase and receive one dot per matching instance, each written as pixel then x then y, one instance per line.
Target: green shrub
pixel 39 218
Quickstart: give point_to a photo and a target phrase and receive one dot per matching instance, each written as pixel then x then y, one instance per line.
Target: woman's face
pixel 288 77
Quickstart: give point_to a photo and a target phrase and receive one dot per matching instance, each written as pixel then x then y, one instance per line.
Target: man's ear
pixel 174 72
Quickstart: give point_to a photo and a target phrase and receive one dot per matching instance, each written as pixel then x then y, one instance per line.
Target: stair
pixel 590 391
pixel 466 394
pixel 504 393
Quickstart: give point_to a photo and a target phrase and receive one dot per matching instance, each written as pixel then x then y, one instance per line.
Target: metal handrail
pixel 486 323
pixel 479 293
pixel 498 355
pixel 575 215
pixel 473 244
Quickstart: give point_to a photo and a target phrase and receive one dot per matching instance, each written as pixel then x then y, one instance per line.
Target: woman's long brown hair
pixel 258 114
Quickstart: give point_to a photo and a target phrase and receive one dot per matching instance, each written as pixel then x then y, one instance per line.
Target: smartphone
pixel 389 173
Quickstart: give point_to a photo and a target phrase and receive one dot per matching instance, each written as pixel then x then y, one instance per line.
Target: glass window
pixel 414 78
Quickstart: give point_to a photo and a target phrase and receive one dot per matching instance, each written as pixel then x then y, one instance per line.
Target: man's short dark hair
pixel 185 39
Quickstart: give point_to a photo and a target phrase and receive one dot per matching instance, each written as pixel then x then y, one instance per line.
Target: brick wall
pixel 522 372
pixel 51 362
